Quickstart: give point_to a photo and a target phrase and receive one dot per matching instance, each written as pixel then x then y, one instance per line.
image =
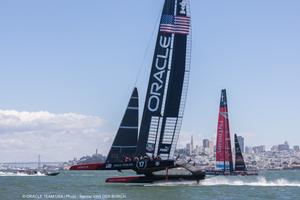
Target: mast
pixel 125 142
pixel 223 149
pixel 168 83
pixel 239 159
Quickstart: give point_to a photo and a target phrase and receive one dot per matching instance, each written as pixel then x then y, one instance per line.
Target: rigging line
pixel 148 46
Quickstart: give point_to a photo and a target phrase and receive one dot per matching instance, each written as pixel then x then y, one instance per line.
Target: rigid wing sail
pixel 164 104
pixel 223 146
pixel 168 83
pixel 124 145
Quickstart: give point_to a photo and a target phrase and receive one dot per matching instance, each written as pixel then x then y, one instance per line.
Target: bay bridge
pixel 34 164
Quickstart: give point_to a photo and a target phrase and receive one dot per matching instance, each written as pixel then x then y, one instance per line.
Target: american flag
pixel 175 24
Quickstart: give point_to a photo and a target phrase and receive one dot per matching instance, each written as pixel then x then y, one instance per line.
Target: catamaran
pixel 224 161
pixel 150 147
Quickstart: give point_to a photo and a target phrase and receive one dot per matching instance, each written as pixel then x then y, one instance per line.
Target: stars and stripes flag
pixel 175 24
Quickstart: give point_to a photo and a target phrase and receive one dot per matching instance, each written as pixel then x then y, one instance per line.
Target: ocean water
pixel 91 185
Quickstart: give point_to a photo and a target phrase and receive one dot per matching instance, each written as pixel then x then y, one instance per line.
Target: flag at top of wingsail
pixel 168 83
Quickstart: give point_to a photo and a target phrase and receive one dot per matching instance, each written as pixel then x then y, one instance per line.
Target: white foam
pixel 259 181
pixel 174 183
pixel 20 174
pixel 233 181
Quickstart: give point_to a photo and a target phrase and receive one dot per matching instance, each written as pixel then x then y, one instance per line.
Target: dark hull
pixel 52 173
pixel 156 178
pixel 233 173
pixel 141 167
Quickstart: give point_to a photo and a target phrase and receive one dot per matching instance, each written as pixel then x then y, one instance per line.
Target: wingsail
pixel 223 148
pixel 239 159
pixel 163 109
pixel 124 146
pixel 168 83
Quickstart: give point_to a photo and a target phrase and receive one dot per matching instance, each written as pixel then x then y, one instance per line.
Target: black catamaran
pixel 153 149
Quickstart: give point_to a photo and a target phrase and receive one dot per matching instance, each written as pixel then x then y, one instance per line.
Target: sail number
pixel 161 61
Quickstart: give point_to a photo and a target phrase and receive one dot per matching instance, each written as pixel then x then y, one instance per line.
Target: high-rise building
pixel 211 146
pixel 242 143
pixel 188 148
pixel 248 150
pixel 274 148
pixel 259 149
pixel 197 149
pixel 296 148
pixel 192 145
pixel 284 147
pixel 205 143
pixel 208 146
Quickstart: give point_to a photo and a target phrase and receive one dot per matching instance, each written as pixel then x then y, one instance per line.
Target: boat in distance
pixel 224 160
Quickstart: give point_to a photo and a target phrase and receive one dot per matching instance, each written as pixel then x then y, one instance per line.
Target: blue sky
pixel 84 56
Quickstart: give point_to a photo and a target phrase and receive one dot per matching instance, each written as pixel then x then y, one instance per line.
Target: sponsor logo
pixel 161 62
pixel 224 114
pixel 183 5
pixel 142 164
pixel 108 166
pixel 165 149
pixel 150 147
pixel 117 165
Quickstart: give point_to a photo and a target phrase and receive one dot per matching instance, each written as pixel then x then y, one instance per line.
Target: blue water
pixel 91 185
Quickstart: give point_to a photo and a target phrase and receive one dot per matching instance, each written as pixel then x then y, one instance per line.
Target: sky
pixel 68 69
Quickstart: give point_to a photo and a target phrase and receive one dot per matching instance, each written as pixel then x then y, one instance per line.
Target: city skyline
pixel 243 146
pixel 66 77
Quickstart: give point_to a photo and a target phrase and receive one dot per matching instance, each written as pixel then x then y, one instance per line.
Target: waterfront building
pixel 205 143
pixel 296 148
pixel 284 147
pixel 188 148
pixel 274 148
pixel 259 149
pixel 248 150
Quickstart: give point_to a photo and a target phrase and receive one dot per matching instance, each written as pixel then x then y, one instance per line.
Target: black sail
pixel 239 160
pixel 125 142
pixel 168 83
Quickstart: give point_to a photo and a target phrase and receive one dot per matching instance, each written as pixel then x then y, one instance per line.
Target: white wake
pixel 230 181
pixel 20 174
pixel 259 181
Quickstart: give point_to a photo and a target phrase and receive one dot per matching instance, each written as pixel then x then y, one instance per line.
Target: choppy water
pixel 90 185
